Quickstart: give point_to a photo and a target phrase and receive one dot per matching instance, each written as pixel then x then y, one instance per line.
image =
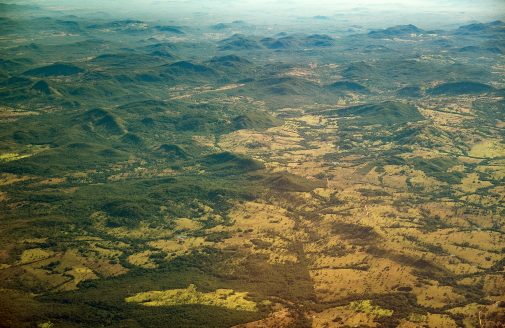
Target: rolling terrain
pixel 230 174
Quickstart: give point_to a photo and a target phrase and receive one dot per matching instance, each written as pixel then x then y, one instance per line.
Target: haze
pixel 369 13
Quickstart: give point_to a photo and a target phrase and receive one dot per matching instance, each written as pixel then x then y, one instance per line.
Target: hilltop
pixel 396 31
pixel 460 88
pixel 57 69
pixel 385 113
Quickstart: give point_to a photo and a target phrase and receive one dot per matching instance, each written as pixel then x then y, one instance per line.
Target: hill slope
pixel 385 113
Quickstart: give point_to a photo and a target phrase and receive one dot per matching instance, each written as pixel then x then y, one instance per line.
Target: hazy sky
pixel 305 4
pixel 364 11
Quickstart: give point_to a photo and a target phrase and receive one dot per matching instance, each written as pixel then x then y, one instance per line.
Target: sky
pixel 437 12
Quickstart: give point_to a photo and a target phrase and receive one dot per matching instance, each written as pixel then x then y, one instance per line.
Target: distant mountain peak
pixel 238 42
pixel 491 27
pixel 398 30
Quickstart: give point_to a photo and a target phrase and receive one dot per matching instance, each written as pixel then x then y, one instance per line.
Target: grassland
pixel 226 298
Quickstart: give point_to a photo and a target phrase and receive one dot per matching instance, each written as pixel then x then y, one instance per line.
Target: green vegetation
pixel 358 233
pixel 254 120
pixel 460 88
pixel 347 86
pixel 58 69
pixel 290 182
pixel 438 168
pixel 226 298
pixel 229 163
pixel 386 113
pixel 366 306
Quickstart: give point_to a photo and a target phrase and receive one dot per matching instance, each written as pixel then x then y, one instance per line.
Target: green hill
pixel 57 69
pixel 6 64
pixel 318 40
pixel 238 42
pixel 460 88
pixel 172 151
pixel 43 87
pixel 232 61
pixel 347 86
pixel 128 60
pixel 422 134
pixel 186 69
pixel 297 41
pixel 284 181
pixel 103 122
pixel 169 29
pixel 141 107
pixel 285 42
pixel 162 54
pixel 385 113
pixel 132 139
pixel 357 70
pixel 396 31
pixel 287 85
pixel 254 120
pixel 230 163
pixel 413 92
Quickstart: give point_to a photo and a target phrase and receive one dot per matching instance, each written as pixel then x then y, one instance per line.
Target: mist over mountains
pixel 341 13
